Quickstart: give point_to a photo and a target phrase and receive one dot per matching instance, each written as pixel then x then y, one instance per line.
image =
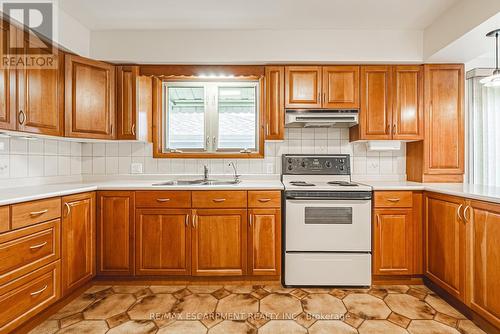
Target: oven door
pixel 328 225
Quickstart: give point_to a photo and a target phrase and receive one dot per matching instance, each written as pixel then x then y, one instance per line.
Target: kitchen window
pixel 214 118
pixel 484 134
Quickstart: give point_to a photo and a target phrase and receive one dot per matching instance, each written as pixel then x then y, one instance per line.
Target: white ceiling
pixel 256 14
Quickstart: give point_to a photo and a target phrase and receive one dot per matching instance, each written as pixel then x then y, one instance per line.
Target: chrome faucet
pixel 205 173
pixel 236 175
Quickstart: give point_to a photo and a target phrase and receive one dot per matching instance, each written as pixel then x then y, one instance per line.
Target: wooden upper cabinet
pixel 7 87
pixel 264 242
pixel 444 120
pixel 375 115
pixel 90 98
pixel 78 241
pixel 163 242
pixel 219 242
pixel 340 87
pixel 445 242
pixel 126 101
pixel 275 102
pixel 303 86
pixel 41 99
pixel 144 121
pixel 484 260
pixel 408 111
pixel 115 233
pixel 393 242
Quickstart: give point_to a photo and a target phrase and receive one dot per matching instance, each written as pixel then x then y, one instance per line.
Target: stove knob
pixel 341 161
pixel 290 160
pixel 328 164
pixel 303 164
pixel 290 167
pixel 341 167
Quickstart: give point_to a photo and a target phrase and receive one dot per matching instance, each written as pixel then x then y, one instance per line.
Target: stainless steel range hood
pixel 320 118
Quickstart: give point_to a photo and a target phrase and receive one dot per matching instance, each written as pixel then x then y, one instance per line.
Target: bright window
pixel 484 132
pixel 211 117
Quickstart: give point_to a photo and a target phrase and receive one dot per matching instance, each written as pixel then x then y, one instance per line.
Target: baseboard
pixel 397 280
pixel 186 280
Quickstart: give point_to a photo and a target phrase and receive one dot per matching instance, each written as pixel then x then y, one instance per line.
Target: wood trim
pixel 4 218
pixel 158 130
pixel 200 70
pixel 122 132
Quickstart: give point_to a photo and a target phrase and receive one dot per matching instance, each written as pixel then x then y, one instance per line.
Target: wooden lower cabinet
pixel 163 242
pixel 219 242
pixel 115 233
pixel 23 298
pixel 445 235
pixel 78 241
pixel 483 271
pixel 393 241
pixel 264 242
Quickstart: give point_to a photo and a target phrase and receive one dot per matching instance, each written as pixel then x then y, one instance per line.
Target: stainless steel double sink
pixel 197 182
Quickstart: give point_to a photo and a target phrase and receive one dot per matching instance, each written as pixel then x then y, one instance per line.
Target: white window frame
pixel 211 115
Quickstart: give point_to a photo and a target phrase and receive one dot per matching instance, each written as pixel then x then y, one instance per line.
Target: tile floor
pixel 263 309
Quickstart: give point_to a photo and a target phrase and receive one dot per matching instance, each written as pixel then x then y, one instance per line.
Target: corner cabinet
pixel 115 233
pixel 89 98
pixel 78 241
pixel 445 243
pixel 219 242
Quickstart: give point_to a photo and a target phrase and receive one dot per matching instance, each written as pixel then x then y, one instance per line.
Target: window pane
pixel 186 118
pixel 237 117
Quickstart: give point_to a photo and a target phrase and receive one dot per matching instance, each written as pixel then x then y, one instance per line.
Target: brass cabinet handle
pixel 264 200
pixel 465 214
pixel 133 129
pixel 378 219
pixel 68 208
pixel 38 213
pixel 394 129
pixel 394 200
pixel 187 221
pixel 458 212
pixel 250 220
pixel 195 220
pixel 219 200
pixel 162 200
pixel 388 128
pixel 268 128
pixel 39 245
pixel 324 98
pixel 21 113
pixel 39 291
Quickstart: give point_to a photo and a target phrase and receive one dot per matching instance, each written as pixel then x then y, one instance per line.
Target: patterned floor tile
pixel 77 305
pixel 239 288
pixel 160 303
pixel 233 327
pixel 166 288
pixel 282 327
pixel 409 306
pixel 324 306
pixel 128 288
pixel 183 327
pixel 329 327
pixel 468 327
pixel 399 320
pixel 366 306
pixel 242 304
pixel 430 327
pixel 204 288
pixel 134 326
pixel 86 327
pixel 109 306
pixel 380 327
pixel 279 306
pixel 48 327
pixel 194 305
pixel 441 306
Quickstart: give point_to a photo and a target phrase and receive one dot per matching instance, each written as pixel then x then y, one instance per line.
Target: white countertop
pixel 472 191
pixel 24 194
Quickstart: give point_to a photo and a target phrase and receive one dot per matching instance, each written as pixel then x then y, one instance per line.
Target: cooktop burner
pixel 342 183
pixel 302 184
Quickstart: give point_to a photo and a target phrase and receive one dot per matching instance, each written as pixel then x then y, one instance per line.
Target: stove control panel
pixel 320 164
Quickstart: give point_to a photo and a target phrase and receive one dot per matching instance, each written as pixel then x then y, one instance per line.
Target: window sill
pixel 197 155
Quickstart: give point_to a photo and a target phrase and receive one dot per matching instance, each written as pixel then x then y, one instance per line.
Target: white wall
pixel 71 34
pixel 256 46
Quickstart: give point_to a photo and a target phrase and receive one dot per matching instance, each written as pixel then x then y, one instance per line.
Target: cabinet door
pixel 375 115
pixel 275 103
pixel 144 122
pixel 41 99
pixel 163 242
pixel 115 233
pixel 264 242
pixel 445 243
pixel 90 98
pixel 7 86
pixel 484 260
pixel 408 112
pixel 444 119
pixel 341 87
pixel 219 242
pixel 303 86
pixel 393 242
pixel 78 240
pixel 126 105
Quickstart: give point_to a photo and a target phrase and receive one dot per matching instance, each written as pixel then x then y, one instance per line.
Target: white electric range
pixel 327 223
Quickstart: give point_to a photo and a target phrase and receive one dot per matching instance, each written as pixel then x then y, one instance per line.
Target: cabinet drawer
pixel 29 248
pixel 28 295
pixel 264 199
pixel 163 199
pixel 30 213
pixel 4 219
pixel 220 199
pixel 393 199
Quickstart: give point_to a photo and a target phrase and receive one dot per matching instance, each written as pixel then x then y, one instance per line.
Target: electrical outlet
pixel 136 168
